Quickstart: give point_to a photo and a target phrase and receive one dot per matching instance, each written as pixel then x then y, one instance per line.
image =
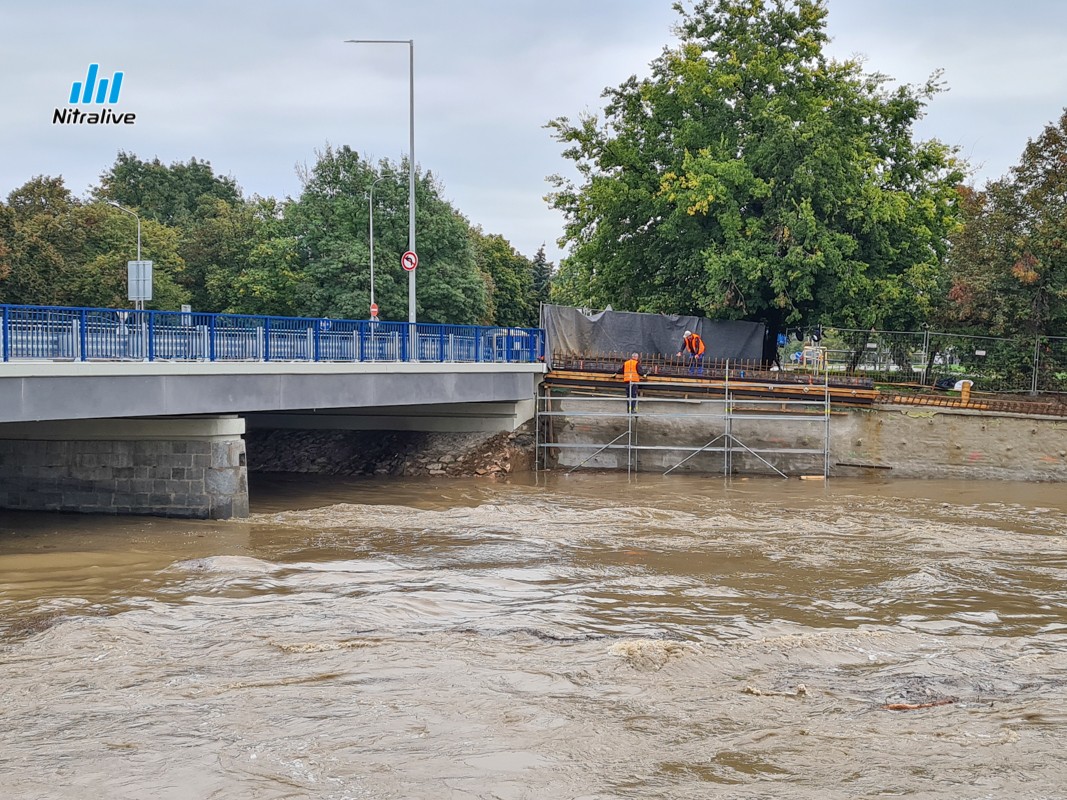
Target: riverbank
pixel 391 453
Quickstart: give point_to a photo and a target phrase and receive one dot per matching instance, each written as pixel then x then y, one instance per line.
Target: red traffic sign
pixel 374 309
pixel 409 260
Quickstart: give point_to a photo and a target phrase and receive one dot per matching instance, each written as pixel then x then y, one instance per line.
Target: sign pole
pixel 140 303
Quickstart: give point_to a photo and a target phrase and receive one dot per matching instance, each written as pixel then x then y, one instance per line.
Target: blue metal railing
pixel 103 334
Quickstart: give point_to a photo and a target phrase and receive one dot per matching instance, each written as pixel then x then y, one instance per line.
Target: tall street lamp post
pixel 139 304
pixel 411 156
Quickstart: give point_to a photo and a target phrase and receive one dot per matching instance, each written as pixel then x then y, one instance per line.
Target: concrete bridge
pixel 145 412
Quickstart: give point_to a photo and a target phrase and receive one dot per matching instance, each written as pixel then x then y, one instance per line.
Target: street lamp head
pixel 123 208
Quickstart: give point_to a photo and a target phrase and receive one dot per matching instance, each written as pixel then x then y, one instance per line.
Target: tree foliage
pixel 58 250
pixel 510 279
pixel 1009 258
pixel 541 281
pixel 168 194
pixel 224 252
pixel 331 222
pixel 751 176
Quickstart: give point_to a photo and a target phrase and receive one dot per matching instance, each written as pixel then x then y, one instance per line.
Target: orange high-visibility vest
pixel 629 371
pixel 694 344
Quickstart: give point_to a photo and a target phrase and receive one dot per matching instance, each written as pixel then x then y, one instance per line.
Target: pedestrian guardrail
pixel 1034 364
pixel 56 333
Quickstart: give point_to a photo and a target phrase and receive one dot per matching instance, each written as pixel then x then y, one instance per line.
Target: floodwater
pixel 588 637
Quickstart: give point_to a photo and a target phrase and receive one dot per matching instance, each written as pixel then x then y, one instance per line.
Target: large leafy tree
pixel 58 250
pixel 330 221
pixel 168 194
pixel 210 217
pixel 241 257
pixel 40 241
pixel 1009 258
pixel 751 176
pixel 511 279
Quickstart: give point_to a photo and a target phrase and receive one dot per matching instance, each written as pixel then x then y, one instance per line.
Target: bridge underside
pixel 439 417
pixel 69 391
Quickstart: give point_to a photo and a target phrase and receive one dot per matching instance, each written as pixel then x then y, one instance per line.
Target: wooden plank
pixel 670 386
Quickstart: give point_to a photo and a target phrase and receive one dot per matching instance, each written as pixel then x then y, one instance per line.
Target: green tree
pixel 512 279
pixel 7 235
pixel 40 242
pixel 330 221
pixel 99 276
pixel 241 257
pixel 541 284
pixel 62 251
pixel 168 194
pixel 751 176
pixel 1009 257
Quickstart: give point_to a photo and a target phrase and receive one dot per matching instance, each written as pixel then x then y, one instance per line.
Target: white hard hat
pixel 688 333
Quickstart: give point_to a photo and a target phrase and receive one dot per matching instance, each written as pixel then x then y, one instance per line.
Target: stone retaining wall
pixel 916 443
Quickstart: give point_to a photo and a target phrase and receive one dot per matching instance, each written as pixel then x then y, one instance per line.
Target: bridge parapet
pixel 92 334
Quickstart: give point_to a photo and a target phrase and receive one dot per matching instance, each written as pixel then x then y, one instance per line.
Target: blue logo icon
pixel 83 93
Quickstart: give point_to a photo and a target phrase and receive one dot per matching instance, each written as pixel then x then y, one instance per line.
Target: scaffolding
pixel 725 417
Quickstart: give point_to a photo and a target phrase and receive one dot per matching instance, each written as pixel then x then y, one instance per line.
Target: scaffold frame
pixel 735 403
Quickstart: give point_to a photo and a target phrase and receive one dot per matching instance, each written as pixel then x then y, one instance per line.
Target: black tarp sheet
pixel 569 330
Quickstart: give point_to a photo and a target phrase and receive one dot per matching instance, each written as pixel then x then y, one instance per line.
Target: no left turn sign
pixel 409 260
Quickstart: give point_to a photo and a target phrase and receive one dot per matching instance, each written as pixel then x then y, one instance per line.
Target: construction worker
pixel 631 375
pixel 693 348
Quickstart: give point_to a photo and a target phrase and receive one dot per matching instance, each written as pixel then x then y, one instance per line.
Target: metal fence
pixel 89 334
pixel 937 359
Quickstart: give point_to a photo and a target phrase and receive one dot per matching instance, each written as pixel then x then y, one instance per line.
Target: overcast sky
pixel 257 87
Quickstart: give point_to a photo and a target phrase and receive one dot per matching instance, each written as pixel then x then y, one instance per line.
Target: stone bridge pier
pixel 177 466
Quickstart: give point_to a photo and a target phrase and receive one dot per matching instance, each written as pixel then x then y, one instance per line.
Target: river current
pixel 583 636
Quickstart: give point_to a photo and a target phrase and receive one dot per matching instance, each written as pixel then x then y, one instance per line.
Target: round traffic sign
pixel 374 309
pixel 409 260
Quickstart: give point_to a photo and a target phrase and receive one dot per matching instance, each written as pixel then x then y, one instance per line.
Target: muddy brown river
pixel 582 637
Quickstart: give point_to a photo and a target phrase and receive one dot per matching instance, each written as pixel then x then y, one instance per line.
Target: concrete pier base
pixel 174 467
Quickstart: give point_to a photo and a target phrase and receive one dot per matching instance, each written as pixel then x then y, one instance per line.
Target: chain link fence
pixel 935 359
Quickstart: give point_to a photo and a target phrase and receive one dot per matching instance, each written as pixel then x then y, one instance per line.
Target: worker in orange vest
pixel 631 375
pixel 693 348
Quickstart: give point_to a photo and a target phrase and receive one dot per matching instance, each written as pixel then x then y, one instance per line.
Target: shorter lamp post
pixel 139 303
pixel 370 205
